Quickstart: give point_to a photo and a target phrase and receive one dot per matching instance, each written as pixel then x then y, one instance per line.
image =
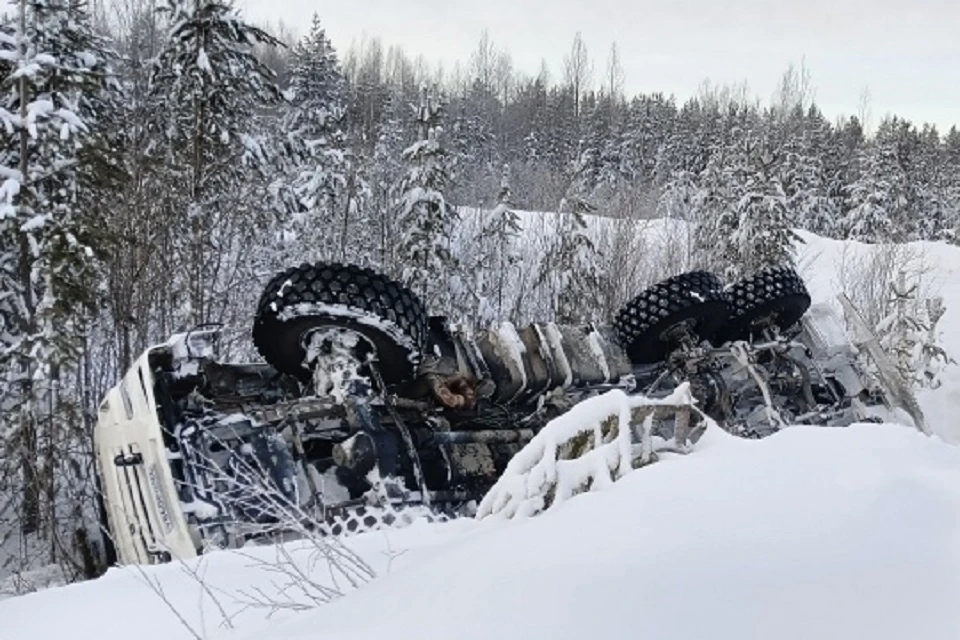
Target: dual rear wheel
pixel 697 306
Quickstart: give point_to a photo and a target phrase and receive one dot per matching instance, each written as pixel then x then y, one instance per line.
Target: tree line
pixel 162 158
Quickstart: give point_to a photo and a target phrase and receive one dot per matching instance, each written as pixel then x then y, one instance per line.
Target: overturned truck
pixel 368 412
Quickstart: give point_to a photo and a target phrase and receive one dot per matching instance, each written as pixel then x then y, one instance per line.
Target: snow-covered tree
pixel 384 172
pixel 909 333
pixel 570 273
pixel 714 215
pixel 764 234
pixel 931 358
pixel 208 86
pixel 55 69
pixel 324 186
pixel 881 201
pixel 871 201
pixel 426 261
pixel 806 185
pixel 499 256
pixel 677 197
pixel 743 221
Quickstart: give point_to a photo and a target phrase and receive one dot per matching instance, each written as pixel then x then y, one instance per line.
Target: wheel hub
pixel 337 356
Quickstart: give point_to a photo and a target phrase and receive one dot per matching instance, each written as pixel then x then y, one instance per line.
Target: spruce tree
pixel 425 219
pixel 764 235
pixel 570 272
pixel 55 70
pixel 499 255
pixel 209 86
pixel 741 211
pixel 871 201
pixel 323 182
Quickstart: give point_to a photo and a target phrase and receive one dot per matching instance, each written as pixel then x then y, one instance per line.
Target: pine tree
pixel 499 256
pixel 55 68
pixel 209 85
pixel 323 178
pixel 425 219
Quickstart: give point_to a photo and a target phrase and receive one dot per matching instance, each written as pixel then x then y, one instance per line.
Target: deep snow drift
pixel 811 533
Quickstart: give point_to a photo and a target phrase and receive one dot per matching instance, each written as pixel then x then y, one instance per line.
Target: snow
pixel 823 262
pixel 510 348
pixel 555 340
pixel 536 479
pixel 357 314
pixel 596 350
pixel 813 533
pixel 810 533
pixel 34 223
pixel 203 62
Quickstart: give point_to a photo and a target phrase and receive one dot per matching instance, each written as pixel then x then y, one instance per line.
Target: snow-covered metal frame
pixel 588 448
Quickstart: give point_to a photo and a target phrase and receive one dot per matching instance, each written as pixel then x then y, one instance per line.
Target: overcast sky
pixel 906 52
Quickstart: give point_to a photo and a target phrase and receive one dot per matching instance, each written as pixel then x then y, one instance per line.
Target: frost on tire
pixel 772 297
pixel 302 299
pixel 695 299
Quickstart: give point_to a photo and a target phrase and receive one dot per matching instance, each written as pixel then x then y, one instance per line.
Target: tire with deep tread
pixel 696 297
pixel 303 298
pixel 775 294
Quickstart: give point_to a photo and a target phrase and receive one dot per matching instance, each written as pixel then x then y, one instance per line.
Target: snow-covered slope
pixel 831 266
pixel 811 533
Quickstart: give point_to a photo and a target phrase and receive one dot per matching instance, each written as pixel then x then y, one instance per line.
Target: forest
pixel 161 159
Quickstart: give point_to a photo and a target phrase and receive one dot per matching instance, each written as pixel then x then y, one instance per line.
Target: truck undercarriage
pixel 368 412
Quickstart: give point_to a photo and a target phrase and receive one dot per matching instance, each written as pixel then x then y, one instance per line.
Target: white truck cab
pixel 141 503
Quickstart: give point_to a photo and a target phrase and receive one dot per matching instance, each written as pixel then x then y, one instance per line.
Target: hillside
pixel 827 533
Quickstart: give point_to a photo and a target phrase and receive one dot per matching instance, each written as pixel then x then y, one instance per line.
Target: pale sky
pixel 906 52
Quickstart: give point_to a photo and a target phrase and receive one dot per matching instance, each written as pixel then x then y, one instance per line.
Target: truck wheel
pixel 695 299
pixel 308 297
pixel 775 296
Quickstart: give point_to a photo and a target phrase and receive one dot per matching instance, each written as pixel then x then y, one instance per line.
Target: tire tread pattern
pixel 696 295
pixel 777 290
pixel 358 289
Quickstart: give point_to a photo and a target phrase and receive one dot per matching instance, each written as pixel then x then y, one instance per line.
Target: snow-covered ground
pixel 811 533
pixel 827 264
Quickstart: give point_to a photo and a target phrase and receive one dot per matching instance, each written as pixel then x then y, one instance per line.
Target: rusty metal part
pixel 453 391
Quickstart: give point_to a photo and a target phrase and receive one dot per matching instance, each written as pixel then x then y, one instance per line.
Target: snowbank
pixel 811 533
pixel 823 263
pixel 592 445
